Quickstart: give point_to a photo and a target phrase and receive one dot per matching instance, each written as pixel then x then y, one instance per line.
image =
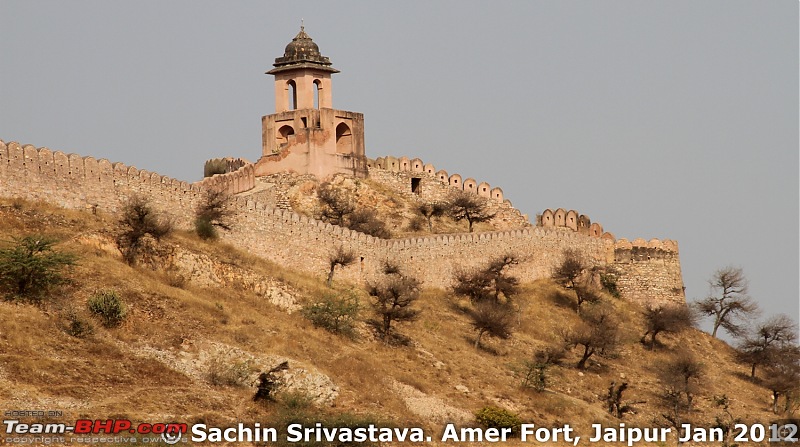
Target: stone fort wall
pixel 648 271
pixel 423 182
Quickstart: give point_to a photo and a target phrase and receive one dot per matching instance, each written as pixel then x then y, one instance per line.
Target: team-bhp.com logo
pixel 171 432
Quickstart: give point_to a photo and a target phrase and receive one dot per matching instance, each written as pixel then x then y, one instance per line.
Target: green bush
pixel 30 267
pixel 298 408
pixel 215 166
pixel 205 229
pixel 336 313
pixel 493 417
pixel 107 305
pixel 535 375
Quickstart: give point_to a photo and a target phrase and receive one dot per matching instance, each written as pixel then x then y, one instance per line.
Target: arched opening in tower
pixel 292 88
pixel 344 139
pixel 283 135
pixel 317 88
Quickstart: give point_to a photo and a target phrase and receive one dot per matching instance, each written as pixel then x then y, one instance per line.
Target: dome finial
pixel 302 50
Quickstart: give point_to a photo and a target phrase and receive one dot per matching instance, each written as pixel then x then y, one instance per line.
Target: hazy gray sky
pixel 671 119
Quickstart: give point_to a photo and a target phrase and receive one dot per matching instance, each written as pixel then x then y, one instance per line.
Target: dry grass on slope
pixel 156 365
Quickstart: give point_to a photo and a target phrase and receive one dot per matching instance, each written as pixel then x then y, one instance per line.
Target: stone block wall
pixel 240 178
pixel 422 182
pixel 647 271
pixel 72 181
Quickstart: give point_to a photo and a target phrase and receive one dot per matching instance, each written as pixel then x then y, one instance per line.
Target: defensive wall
pixel 648 272
pixel 423 182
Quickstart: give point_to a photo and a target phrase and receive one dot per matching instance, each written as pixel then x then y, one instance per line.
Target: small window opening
pixel 305 121
pixel 415 185
pixel 316 93
pixel 292 95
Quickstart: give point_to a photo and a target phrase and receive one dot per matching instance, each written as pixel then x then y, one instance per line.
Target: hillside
pixel 381 193
pixel 202 313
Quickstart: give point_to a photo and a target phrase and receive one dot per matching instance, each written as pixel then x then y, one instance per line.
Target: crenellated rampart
pixel 571 219
pixel 240 178
pixel 422 181
pixel 647 271
pixel 73 181
pixel 403 164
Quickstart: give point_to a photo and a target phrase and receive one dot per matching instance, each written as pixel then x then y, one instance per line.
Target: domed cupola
pixel 302 52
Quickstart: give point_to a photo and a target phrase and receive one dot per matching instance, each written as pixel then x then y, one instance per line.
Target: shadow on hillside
pixel 746 377
pixel 563 298
pixel 459 306
pixel 484 346
pixel 392 338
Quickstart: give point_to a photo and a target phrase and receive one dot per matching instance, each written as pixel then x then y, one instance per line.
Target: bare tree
pixel 139 219
pixel 214 208
pixel 334 203
pixel 492 319
pixel 394 296
pixel 766 341
pixel 570 269
pixel 431 210
pixel 366 221
pixel 340 257
pixel 681 376
pixel 472 283
pixel 670 318
pixel 783 376
pixel 574 274
pixel 729 302
pixel 490 282
pixel 473 208
pixel 614 400
pixel 212 213
pixel 586 293
pixel 338 208
pixel 597 333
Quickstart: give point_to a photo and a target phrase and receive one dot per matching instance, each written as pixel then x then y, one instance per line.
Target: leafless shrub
pixel 212 213
pixel 729 302
pixel 490 282
pixel 139 219
pixel 492 319
pixel 340 257
pixel 393 297
pixel 764 344
pixel 671 318
pixel 596 333
pixel 469 207
pixel 428 211
pixel 335 204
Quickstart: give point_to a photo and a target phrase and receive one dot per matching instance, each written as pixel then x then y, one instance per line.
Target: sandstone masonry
pixel 648 271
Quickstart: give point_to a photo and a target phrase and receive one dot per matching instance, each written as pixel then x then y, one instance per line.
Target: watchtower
pixel 306 134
